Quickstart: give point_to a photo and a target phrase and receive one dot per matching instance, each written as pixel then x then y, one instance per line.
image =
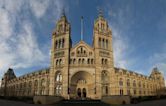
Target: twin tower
pixel 81 70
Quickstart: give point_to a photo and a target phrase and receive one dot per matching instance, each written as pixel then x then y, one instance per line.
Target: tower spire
pixel 81 27
pixel 100 12
pixel 63 12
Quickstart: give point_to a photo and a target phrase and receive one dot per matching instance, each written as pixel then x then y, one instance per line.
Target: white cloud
pixel 19 46
pixel 120 47
pixel 27 48
pixel 39 7
pixel 158 59
pixel 5 29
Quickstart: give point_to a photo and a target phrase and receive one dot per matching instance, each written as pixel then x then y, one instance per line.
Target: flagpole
pixel 82 28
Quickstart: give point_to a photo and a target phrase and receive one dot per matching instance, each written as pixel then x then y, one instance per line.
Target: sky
pixel 138 27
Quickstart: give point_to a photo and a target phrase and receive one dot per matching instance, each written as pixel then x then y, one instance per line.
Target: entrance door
pixel 79 92
pixel 84 92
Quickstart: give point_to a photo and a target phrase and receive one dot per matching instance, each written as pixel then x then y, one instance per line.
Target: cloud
pixel 39 7
pixel 121 43
pixel 158 59
pixel 120 47
pixel 19 45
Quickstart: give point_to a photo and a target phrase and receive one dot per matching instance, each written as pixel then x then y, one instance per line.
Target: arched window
pixel 36 87
pixel 103 41
pixel 120 82
pixel 106 90
pixel 83 61
pixel 42 82
pixel 91 61
pixel 139 84
pixel 99 42
pixel 74 61
pixel 60 61
pixel 79 61
pixel 128 82
pixel 42 91
pixel 134 83
pixel 59 43
pixel 57 62
pixel 81 50
pixel 36 83
pixel 56 44
pixel 78 52
pixel 84 52
pixel 88 61
pixel 58 77
pixel 102 61
pixel 106 44
pixel 106 61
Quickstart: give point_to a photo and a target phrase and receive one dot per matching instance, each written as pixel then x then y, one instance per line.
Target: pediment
pixel 81 49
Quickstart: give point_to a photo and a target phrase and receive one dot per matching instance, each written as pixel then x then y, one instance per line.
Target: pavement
pixel 82 103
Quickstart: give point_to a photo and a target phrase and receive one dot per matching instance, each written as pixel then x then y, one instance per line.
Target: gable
pixel 81 49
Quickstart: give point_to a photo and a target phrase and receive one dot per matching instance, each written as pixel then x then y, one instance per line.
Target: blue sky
pixel 138 26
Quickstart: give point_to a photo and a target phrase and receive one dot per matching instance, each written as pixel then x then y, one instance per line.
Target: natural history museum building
pixel 82 70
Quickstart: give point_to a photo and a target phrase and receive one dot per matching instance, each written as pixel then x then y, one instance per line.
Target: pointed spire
pixel 63 13
pixel 100 12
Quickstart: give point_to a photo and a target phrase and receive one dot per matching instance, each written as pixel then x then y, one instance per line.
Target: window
pixel 60 61
pixel 56 44
pixel 88 61
pixel 135 92
pixel 42 82
pixel 83 61
pixel 99 42
pixel 106 44
pixel 121 91
pixel 105 61
pixel 57 61
pixel 106 89
pixel 79 61
pixel 103 41
pixel 134 83
pixel 59 43
pixel 105 77
pixel 128 92
pixel 120 82
pixel 58 89
pixel 128 82
pixel 74 61
pixel 139 84
pixel 91 61
pixel 102 61
pixel 59 77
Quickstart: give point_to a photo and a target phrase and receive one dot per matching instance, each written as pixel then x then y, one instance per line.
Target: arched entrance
pixel 81 85
pixel 84 92
pixel 79 92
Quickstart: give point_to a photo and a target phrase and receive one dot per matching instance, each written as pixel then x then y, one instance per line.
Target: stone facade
pixel 82 70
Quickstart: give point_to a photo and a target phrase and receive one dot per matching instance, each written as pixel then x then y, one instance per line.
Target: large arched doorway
pixel 81 84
